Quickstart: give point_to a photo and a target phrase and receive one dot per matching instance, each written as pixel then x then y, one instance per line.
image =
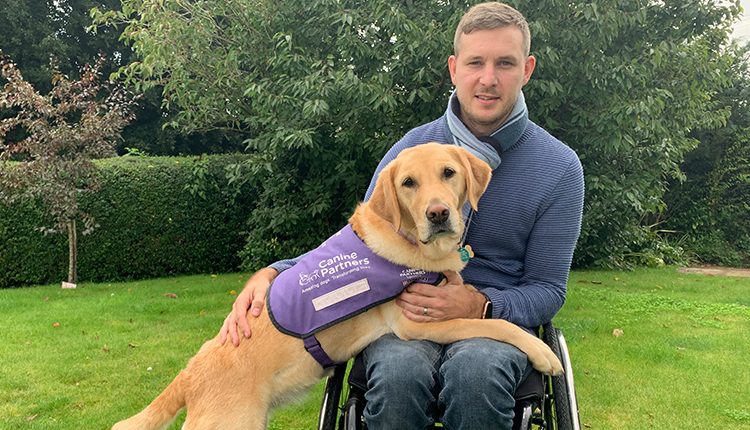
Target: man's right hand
pixel 252 298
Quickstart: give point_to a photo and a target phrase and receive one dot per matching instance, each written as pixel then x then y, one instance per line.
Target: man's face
pixel 488 73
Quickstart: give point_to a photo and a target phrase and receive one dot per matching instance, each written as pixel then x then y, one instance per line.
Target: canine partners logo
pixel 306 278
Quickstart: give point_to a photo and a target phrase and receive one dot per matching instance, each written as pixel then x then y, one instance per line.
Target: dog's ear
pixel 384 200
pixel 478 174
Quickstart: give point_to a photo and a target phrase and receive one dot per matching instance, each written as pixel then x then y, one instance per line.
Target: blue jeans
pixel 465 385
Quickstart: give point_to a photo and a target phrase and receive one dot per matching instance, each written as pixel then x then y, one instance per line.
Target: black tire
pixel 351 418
pixel 561 410
pixel 329 409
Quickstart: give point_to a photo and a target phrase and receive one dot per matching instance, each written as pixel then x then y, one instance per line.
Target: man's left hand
pixel 425 302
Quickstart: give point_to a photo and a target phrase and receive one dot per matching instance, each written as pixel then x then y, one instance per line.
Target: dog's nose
pixel 437 213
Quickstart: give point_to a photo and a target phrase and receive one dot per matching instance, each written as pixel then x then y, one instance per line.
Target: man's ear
pixel 477 174
pixel 384 200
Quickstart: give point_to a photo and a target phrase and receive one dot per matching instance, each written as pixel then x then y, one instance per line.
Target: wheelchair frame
pixel 542 401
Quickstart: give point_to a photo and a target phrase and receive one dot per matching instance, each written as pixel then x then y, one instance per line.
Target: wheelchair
pixel 542 402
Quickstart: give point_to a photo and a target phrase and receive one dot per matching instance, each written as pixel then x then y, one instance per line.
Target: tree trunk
pixel 72 252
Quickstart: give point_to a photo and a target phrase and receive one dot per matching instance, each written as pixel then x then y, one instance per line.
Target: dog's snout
pixel 438 213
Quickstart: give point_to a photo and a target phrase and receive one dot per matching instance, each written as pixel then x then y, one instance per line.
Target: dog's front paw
pixel 543 359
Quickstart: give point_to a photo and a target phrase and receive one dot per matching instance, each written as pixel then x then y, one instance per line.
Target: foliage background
pixel 711 209
pixel 33 31
pixel 625 84
pixel 157 216
pixel 651 95
pixel 629 85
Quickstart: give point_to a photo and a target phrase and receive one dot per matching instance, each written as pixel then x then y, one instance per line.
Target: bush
pixel 327 86
pixel 710 208
pixel 157 217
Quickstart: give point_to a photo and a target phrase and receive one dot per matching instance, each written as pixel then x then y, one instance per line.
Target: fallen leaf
pixel 232 292
pixel 617 332
pixel 32 417
pixel 55 324
pixel 171 295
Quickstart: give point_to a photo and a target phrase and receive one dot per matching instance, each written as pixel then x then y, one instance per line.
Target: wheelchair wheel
pixel 561 405
pixel 351 417
pixel 329 410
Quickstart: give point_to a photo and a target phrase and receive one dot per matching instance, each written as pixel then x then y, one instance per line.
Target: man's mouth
pixel 485 97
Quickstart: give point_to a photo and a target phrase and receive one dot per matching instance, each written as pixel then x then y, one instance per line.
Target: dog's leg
pixel 236 416
pixel 540 355
pixel 162 411
pixel 237 397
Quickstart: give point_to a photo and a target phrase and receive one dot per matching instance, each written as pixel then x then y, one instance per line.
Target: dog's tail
pixel 161 412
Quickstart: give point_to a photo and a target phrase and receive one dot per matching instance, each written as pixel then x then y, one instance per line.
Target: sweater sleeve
pixel 282 265
pixel 541 291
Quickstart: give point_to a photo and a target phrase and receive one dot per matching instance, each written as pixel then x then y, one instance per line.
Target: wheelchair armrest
pixel 531 388
pixel 357 374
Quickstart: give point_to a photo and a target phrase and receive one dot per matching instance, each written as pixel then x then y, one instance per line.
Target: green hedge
pixel 157 216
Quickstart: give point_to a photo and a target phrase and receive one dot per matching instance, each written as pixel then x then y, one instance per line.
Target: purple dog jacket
pixel 338 280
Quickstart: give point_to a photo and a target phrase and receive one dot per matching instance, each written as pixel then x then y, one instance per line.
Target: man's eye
pixel 448 172
pixel 408 183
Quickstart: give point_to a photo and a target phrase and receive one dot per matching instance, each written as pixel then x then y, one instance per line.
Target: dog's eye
pixel 409 183
pixel 448 172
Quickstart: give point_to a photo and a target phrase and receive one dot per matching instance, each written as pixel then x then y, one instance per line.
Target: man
pixel 523 236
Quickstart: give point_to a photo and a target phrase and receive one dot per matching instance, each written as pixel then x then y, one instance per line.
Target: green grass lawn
pixel 85 358
pixel 681 362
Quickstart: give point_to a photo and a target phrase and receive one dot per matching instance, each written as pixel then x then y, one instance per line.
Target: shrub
pixel 157 216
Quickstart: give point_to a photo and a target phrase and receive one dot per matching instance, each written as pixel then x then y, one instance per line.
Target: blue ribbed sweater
pixel 526 226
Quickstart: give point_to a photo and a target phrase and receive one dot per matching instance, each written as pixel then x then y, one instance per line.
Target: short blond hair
pixel 489 16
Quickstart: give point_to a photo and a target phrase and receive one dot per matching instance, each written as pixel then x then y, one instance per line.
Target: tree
pixel 53 140
pixel 322 88
pixel 32 31
pixel 625 83
pixel 709 210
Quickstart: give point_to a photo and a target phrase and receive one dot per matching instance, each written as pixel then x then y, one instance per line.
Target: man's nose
pixel 488 77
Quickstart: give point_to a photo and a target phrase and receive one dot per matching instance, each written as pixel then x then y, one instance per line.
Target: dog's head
pixel 422 192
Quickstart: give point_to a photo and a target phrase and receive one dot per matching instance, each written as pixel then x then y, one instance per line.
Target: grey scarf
pixel 488 148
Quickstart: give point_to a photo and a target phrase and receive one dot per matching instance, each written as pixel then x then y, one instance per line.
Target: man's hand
pixel 252 298
pixel 449 301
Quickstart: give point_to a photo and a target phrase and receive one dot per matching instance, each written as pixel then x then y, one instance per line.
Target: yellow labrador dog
pixel 413 219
